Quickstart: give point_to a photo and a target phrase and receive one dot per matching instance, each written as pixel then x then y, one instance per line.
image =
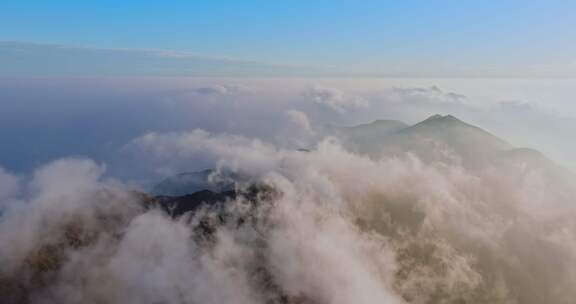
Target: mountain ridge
pixel 437 138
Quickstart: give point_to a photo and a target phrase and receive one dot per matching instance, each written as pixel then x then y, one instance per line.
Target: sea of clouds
pixel 331 226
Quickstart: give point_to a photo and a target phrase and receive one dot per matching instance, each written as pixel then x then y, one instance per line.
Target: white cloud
pixel 299 119
pixel 220 90
pixel 335 99
pixel 453 230
pixel 431 94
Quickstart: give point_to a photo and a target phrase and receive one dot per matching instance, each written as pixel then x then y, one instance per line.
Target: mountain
pixel 442 138
pixel 375 128
pixel 456 133
pixel 439 137
pixel 179 205
pixel 357 137
pixel 190 182
pixel 447 136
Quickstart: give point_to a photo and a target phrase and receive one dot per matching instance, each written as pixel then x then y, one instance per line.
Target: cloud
pixel 431 94
pixel 339 228
pixel 458 232
pixel 36 59
pixel 171 153
pixel 516 106
pixel 238 106
pixel 58 194
pixel 444 217
pixel 299 119
pixel 334 99
pixel 455 234
pixel 220 90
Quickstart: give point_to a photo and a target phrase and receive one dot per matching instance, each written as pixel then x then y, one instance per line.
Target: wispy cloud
pixel 20 58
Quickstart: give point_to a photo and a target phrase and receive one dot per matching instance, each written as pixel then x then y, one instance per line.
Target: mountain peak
pixel 456 134
pixel 433 117
pixel 444 121
pixel 440 118
pixel 382 123
pixel 385 122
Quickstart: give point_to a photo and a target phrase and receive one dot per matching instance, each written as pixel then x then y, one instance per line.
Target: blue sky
pixel 534 38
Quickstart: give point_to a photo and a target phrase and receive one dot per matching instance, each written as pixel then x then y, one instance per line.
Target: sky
pixel 382 38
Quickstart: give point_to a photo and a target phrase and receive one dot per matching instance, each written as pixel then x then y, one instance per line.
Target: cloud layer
pixel 327 225
pixel 336 227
